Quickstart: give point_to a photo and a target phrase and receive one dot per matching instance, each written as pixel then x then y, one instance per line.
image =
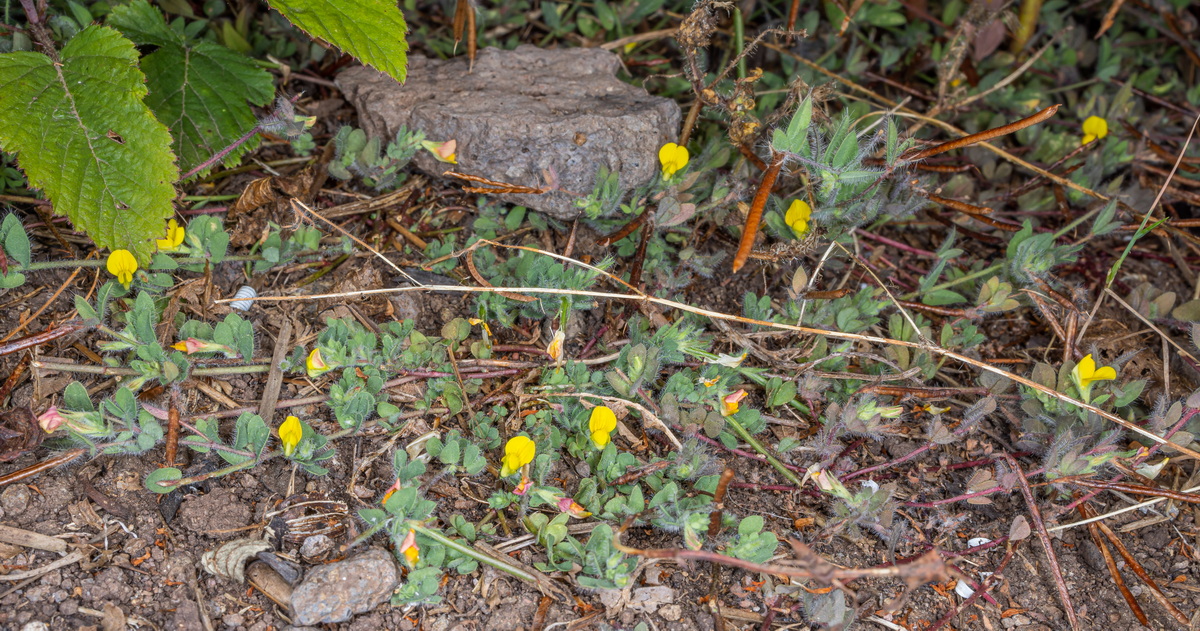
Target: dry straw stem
pixel 989 134
pixel 639 296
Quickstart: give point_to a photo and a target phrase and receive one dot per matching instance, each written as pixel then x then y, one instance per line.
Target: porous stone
pixel 521 114
pixel 338 591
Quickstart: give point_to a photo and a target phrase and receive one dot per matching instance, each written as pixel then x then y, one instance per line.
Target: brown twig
pixel 988 583
pixel 41 467
pixel 756 211
pixel 715 518
pixel 1036 515
pixel 496 188
pixel 1138 570
pixel 1087 512
pixel 46 336
pixel 982 136
pixel 1139 489
pixel 172 444
pixel 625 230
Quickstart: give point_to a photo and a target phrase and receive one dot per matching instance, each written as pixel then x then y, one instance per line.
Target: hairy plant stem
pixel 472 552
pixel 118 371
pixel 73 263
pixel 775 462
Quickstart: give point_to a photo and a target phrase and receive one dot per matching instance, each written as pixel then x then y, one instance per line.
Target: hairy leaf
pixel 83 135
pixel 371 30
pixel 199 89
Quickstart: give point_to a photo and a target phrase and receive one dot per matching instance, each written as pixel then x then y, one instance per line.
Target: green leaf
pixel 12 279
pixel 15 241
pixel 164 476
pixel 199 88
pixel 76 398
pixel 84 136
pixel 371 30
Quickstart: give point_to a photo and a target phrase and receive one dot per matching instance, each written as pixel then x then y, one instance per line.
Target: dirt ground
pixel 142 569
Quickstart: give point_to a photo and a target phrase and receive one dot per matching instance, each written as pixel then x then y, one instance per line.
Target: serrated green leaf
pixel 371 30
pixel 198 88
pixel 84 136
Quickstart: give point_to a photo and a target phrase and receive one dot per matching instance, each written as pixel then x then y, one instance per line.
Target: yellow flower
pixel 122 265
pixel 442 151
pixel 409 548
pixel 797 217
pixel 315 364
pixel 1094 128
pixel 1085 374
pixel 478 322
pixel 673 158
pixel 289 434
pixel 729 404
pixel 518 452
pixel 555 348
pixel 175 234
pixel 601 425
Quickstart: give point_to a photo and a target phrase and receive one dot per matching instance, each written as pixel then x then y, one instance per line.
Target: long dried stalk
pixel 988 134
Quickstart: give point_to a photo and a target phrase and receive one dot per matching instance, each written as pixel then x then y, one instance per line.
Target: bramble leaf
pixel 84 136
pixel 199 89
pixel 371 30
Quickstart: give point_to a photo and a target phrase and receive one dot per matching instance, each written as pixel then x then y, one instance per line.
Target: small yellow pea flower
pixel 797 217
pixel 673 158
pixel 1094 128
pixel 290 433
pixel 729 404
pixel 1085 374
pixel 175 234
pixel 409 548
pixel 315 365
pixel 555 348
pixel 601 425
pixel 518 452
pixel 122 265
pixel 572 508
pixel 442 151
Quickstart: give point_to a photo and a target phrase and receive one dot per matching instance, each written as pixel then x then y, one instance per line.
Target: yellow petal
pixel 798 211
pixel 1104 373
pixel 290 433
pixel 518 452
pixel 1095 127
pixel 1086 367
pixel 673 158
pixel 122 264
pixel 601 439
pixel 603 420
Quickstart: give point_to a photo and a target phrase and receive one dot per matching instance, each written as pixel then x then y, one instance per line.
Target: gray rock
pixel 520 113
pixel 339 591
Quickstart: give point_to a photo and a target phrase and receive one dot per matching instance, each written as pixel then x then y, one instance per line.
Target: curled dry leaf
pixel 229 559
